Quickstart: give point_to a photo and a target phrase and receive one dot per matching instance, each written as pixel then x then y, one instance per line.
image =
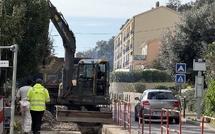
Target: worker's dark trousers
pixel 36 117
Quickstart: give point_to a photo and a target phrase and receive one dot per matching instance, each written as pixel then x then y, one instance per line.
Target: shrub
pixel 135 87
pixel 209 100
pixel 161 87
pixel 140 75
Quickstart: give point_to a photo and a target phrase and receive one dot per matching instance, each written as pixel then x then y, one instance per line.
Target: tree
pixel 177 6
pixel 103 50
pixel 189 41
pixel 210 58
pixel 174 4
pixel 200 3
pixel 25 23
pixel 186 7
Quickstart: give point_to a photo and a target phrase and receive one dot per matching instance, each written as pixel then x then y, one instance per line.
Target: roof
pixel 157 8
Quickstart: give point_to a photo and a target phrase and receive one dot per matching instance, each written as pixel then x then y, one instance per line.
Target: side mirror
pixel 137 98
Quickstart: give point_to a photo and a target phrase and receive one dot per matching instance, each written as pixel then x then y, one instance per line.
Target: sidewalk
pixel 191 118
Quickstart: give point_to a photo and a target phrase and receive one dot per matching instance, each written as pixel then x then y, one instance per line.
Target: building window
pixel 144 50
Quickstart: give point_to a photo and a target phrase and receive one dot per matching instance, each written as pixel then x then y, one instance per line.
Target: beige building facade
pixel 138 43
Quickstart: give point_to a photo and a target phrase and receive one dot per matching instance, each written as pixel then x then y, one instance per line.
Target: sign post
pixel 199 65
pixel 180 77
pixel 13 48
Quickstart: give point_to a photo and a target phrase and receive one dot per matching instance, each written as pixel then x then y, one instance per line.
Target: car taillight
pixel 176 104
pixel 146 103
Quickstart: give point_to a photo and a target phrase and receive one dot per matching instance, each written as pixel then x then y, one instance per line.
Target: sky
pixel 95 20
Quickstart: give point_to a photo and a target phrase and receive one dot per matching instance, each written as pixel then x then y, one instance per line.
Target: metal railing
pixel 203 121
pixel 122 116
pixel 167 121
pixel 141 131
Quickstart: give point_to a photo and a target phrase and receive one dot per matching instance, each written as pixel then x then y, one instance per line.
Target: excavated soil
pixel 50 124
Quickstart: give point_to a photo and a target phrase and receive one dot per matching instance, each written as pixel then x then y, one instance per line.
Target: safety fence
pixel 142 120
pixel 122 112
pixel 166 111
pixel 203 121
pixel 5 114
pixel 1 115
pixel 163 112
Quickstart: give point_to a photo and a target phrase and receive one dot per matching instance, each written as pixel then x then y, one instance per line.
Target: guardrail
pixel 122 116
pixel 143 122
pixel 167 121
pixel 203 121
pixel 127 116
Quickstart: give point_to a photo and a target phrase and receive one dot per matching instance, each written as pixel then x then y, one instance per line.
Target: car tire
pixel 170 120
pixel 176 120
pixel 136 118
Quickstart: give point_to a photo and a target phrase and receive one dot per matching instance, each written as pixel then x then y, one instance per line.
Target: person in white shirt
pixel 24 106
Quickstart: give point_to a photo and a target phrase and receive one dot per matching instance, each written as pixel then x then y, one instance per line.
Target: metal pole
pixel 180 90
pixel 15 50
pixel 184 107
pixel 199 101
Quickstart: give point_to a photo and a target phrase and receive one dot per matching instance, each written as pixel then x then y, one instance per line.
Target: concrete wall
pixel 117 90
pixel 118 87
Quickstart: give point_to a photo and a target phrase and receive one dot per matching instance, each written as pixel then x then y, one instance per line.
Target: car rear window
pixel 161 95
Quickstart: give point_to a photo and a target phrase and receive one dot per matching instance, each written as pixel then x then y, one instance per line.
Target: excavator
pixel 85 95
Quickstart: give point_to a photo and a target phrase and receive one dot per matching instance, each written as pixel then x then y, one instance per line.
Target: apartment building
pixel 139 40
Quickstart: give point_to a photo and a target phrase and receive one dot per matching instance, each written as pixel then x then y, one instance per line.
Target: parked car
pixel 154 100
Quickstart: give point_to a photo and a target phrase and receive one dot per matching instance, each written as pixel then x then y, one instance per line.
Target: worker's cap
pixel 39 81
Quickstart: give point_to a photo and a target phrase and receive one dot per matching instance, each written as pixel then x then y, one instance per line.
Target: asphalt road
pixel 187 128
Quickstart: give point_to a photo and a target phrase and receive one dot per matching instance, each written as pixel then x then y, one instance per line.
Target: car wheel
pixel 170 120
pixel 136 118
pixel 176 120
pixel 135 115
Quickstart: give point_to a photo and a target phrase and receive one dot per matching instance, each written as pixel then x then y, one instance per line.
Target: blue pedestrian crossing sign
pixel 181 68
pixel 180 78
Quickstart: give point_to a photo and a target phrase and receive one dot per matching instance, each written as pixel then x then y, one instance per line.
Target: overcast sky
pixel 96 20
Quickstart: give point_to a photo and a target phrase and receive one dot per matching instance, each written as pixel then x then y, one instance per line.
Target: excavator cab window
pixel 85 71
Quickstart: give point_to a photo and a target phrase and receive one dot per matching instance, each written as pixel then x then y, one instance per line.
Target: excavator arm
pixel 69 44
pixel 89 100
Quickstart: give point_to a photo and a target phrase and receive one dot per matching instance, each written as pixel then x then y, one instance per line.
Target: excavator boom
pixel 69 44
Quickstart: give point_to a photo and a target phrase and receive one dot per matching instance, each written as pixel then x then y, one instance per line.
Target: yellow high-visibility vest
pixel 38 97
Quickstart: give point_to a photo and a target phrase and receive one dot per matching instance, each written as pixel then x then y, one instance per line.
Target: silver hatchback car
pixel 153 100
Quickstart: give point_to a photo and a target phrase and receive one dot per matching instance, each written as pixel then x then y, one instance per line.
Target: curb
pixel 113 129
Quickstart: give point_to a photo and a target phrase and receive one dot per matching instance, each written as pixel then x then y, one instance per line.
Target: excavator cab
pixel 89 100
pixel 93 77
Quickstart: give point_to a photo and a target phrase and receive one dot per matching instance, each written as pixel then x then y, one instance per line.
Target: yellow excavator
pixel 85 95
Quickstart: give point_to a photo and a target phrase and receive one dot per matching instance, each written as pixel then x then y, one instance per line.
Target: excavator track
pixel 84 116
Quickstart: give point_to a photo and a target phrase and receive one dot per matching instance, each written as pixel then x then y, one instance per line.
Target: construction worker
pixel 38 97
pixel 24 106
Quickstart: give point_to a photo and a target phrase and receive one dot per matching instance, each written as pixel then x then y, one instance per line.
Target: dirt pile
pixel 50 123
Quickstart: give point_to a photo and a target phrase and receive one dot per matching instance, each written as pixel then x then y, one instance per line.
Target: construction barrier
pixel 167 121
pixel 127 116
pixel 122 116
pixel 141 131
pixel 203 121
pixel 1 115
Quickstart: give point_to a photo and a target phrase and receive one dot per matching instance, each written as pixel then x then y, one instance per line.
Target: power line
pixel 140 31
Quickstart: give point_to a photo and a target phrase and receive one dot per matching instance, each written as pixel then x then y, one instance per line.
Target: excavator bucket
pixel 84 116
